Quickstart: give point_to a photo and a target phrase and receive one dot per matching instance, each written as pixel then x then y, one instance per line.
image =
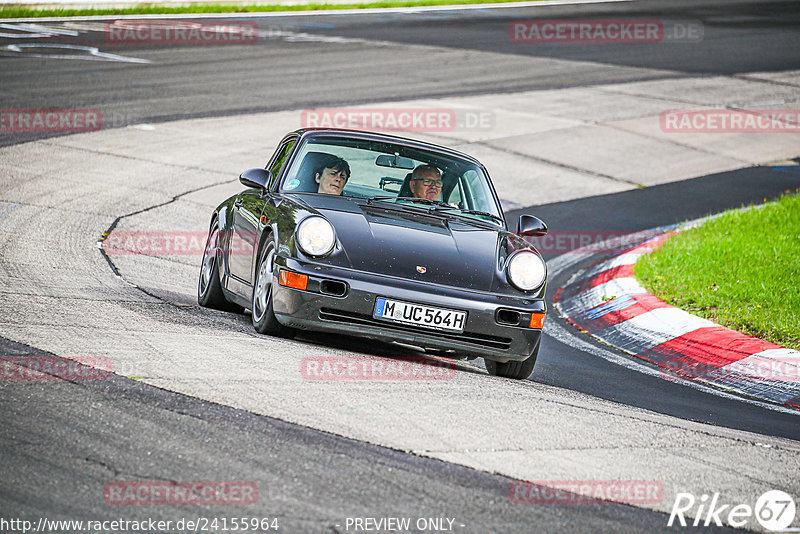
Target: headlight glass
pixel 526 270
pixel 315 236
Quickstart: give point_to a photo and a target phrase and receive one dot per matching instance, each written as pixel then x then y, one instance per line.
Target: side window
pixel 455 195
pixel 282 153
pixel 474 192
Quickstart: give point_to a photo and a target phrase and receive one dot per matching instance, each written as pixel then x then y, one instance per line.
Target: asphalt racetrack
pixel 196 395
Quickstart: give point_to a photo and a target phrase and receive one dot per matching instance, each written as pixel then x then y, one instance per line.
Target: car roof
pixel 374 136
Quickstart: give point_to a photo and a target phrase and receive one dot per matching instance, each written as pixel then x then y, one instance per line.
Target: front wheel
pixel 264 320
pixel 517 370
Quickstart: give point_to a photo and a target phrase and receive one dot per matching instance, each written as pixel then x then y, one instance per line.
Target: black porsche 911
pixel 382 237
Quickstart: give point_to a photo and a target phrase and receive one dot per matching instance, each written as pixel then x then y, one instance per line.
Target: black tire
pixel 264 320
pixel 517 370
pixel 209 289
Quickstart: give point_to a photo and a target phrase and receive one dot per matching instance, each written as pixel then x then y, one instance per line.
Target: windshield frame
pixel 454 164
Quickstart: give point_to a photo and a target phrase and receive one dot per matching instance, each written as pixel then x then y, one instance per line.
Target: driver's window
pixel 456 196
pixel 280 159
pixel 473 191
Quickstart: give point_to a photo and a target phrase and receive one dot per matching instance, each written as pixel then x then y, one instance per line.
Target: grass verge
pixel 23 12
pixel 741 270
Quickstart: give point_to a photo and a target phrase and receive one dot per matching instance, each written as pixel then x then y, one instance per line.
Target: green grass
pixel 741 270
pixel 153 9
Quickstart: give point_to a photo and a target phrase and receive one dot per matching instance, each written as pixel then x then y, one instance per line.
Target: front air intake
pixel 334 288
pixel 508 317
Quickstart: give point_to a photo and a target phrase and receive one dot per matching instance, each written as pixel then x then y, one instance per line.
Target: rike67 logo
pixel 774 511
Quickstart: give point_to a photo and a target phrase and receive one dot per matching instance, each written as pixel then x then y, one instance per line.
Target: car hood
pixel 415 245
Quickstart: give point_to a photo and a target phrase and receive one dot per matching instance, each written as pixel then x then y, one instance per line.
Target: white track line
pixel 344 12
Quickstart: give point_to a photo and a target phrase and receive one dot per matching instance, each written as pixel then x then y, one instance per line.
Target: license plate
pixel 420 315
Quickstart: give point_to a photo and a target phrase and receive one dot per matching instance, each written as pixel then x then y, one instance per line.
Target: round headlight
pixel 315 236
pixel 526 270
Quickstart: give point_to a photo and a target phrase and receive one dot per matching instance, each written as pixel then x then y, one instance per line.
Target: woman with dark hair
pixel 332 174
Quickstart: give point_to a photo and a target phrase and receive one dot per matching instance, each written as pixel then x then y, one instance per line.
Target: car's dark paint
pixel 245 218
pixel 379 247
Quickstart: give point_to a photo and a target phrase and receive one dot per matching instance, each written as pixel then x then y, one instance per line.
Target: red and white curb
pixel 609 303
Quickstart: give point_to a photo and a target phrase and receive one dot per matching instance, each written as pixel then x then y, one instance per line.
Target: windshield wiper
pixel 379 198
pixel 436 203
pixel 484 213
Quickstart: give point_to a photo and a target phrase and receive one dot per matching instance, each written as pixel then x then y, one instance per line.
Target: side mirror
pixel 531 226
pixel 258 178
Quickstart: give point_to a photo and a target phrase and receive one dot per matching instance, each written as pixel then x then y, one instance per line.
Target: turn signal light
pixel 293 280
pixel 537 321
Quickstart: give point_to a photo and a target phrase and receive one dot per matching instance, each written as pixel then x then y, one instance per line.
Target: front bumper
pixel 352 313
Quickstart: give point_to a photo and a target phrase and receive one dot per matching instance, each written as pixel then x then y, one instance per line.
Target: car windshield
pixel 389 172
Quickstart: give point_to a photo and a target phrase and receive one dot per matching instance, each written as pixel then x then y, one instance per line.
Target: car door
pixel 247 210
